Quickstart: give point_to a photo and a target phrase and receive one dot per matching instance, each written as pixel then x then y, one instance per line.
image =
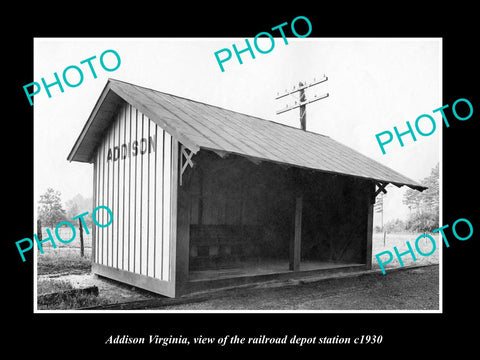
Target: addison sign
pixel 132 148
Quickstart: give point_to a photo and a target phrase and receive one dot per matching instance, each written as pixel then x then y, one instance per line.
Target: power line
pixel 302 101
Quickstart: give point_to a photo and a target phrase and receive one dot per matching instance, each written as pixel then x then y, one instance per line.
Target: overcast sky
pixel 374 84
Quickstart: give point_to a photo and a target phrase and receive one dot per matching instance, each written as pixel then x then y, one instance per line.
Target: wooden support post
pixel 200 198
pixel 80 227
pixel 94 202
pixel 183 241
pixel 39 229
pixel 369 234
pixel 295 246
pixel 180 223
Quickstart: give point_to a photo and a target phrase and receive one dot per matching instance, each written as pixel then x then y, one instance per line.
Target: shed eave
pixel 202 126
pixel 75 154
pixel 411 183
pixel 100 118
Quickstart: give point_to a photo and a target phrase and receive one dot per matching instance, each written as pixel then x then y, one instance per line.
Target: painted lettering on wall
pixel 134 148
pixel 73 75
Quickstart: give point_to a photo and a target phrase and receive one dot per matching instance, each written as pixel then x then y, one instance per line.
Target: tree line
pixel 423 207
pixel 50 210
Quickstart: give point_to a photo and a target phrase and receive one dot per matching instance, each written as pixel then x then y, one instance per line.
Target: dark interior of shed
pixel 242 217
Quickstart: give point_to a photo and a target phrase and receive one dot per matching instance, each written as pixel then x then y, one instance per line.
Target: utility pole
pixel 302 100
pixel 303 110
pixel 296 239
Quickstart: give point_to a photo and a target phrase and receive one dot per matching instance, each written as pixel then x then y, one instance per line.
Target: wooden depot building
pixel 206 197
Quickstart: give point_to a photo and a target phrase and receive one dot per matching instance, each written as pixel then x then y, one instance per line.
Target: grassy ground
pixel 70 300
pixel 46 286
pixel 65 259
pixel 399 241
pixel 55 261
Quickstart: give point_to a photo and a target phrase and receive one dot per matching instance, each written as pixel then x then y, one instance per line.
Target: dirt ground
pixel 403 289
pixel 399 289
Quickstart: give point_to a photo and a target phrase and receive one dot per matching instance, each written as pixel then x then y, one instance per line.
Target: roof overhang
pixel 183 125
pixel 96 126
pixel 101 118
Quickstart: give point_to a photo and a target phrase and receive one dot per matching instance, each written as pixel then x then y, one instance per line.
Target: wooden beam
pixel 253 160
pixel 221 153
pixel 94 205
pixel 188 158
pixel 188 161
pixel 183 242
pixel 295 246
pixel 141 281
pixel 200 197
pixel 180 224
pixel 369 232
pixel 45 299
pixel 381 187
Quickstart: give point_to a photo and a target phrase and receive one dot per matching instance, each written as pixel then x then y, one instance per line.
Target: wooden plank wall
pixel 233 192
pixel 239 211
pixel 334 226
pixel 132 178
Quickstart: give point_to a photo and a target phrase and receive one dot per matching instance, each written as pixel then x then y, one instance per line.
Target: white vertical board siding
pixel 101 234
pixel 144 197
pixel 121 193
pixel 167 173
pixel 110 184
pixel 115 209
pixel 151 201
pixel 138 187
pixel 133 177
pixel 159 160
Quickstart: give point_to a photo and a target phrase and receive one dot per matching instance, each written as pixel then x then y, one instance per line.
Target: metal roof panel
pixel 198 125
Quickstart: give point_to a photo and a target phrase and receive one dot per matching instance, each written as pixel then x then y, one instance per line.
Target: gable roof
pixel 201 126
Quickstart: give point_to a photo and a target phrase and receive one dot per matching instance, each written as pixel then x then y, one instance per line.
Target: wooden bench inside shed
pixel 221 246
